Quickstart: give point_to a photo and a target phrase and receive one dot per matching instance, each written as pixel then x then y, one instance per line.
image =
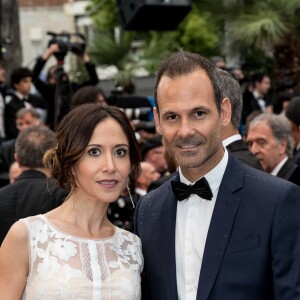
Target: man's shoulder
pixel 8 192
pixel 237 170
pixel 8 144
pixel 240 150
pixel 160 181
pixel 160 192
pixel 11 99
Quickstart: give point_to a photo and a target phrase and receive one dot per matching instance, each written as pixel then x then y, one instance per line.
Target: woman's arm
pixel 14 262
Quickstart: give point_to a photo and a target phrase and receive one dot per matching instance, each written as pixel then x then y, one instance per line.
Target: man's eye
pixel 261 142
pixel 171 117
pixel 94 151
pixel 200 113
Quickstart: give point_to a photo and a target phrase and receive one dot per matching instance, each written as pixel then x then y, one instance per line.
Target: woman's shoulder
pixel 127 235
pixel 28 221
pixel 18 232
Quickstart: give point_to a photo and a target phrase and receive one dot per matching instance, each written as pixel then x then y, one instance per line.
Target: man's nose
pixel 254 148
pixel 186 129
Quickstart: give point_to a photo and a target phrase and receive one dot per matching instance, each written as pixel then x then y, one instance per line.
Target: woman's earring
pixel 130 196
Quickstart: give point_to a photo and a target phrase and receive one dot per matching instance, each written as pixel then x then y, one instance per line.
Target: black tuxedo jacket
pixel 241 151
pixel 290 171
pixel 252 249
pixel 296 157
pixel 12 105
pixel 32 193
pixel 7 153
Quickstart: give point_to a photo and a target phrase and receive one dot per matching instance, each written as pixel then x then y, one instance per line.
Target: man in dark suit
pixel 292 112
pixel 32 192
pixel 18 97
pixel 229 235
pixel 232 139
pixel 270 140
pixel 256 99
pixel 25 117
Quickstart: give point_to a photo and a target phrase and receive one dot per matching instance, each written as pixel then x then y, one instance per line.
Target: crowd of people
pixel 205 206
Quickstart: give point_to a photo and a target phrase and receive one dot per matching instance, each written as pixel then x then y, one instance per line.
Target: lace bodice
pixel 67 267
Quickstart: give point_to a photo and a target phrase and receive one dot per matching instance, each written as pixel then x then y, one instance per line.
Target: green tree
pixel 259 30
pixel 196 33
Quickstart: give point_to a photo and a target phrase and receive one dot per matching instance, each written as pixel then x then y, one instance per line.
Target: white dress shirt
pixel 192 223
pixel 279 166
pixel 261 102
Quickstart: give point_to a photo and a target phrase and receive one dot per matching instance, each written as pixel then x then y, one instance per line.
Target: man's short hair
pixel 293 110
pixel 150 144
pixel 258 77
pixel 18 74
pixel 231 89
pixel 32 144
pixel 280 127
pixel 182 63
pixel 24 111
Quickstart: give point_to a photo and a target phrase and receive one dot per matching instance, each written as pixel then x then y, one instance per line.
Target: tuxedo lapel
pixel 167 242
pixel 287 169
pixel 220 227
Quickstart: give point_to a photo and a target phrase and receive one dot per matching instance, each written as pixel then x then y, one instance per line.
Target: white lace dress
pixel 67 267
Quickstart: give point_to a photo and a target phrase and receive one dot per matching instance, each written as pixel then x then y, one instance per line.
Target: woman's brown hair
pixel 73 135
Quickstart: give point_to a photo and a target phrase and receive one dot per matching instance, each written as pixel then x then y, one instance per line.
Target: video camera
pixel 65 43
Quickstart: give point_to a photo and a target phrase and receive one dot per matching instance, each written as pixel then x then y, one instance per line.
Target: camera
pixel 65 43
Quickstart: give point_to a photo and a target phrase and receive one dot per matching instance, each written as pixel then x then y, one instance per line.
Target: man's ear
pixel 156 119
pixel 283 144
pixel 226 111
pixel 17 159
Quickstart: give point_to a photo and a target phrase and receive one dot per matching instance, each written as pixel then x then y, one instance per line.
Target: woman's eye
pixel 121 152
pixel 94 152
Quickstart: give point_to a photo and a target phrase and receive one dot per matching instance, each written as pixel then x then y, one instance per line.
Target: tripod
pixel 63 94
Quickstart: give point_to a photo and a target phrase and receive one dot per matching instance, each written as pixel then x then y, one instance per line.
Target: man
pixel 270 139
pixel 255 99
pixel 14 172
pixel 293 114
pixel 25 117
pixel 232 139
pixel 147 176
pixel 229 236
pixel 153 151
pixel 57 84
pixel 32 192
pixel 19 97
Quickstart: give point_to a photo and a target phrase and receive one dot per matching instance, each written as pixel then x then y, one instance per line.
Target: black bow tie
pixel 200 188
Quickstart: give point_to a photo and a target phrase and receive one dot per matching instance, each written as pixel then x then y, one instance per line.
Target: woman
pixel 74 252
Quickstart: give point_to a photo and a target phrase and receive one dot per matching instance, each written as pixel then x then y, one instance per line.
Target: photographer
pixel 58 82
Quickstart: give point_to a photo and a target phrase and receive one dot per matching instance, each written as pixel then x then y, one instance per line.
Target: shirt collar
pixel 140 191
pixel 214 176
pixel 231 139
pixel 257 95
pixel 20 96
pixel 279 166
